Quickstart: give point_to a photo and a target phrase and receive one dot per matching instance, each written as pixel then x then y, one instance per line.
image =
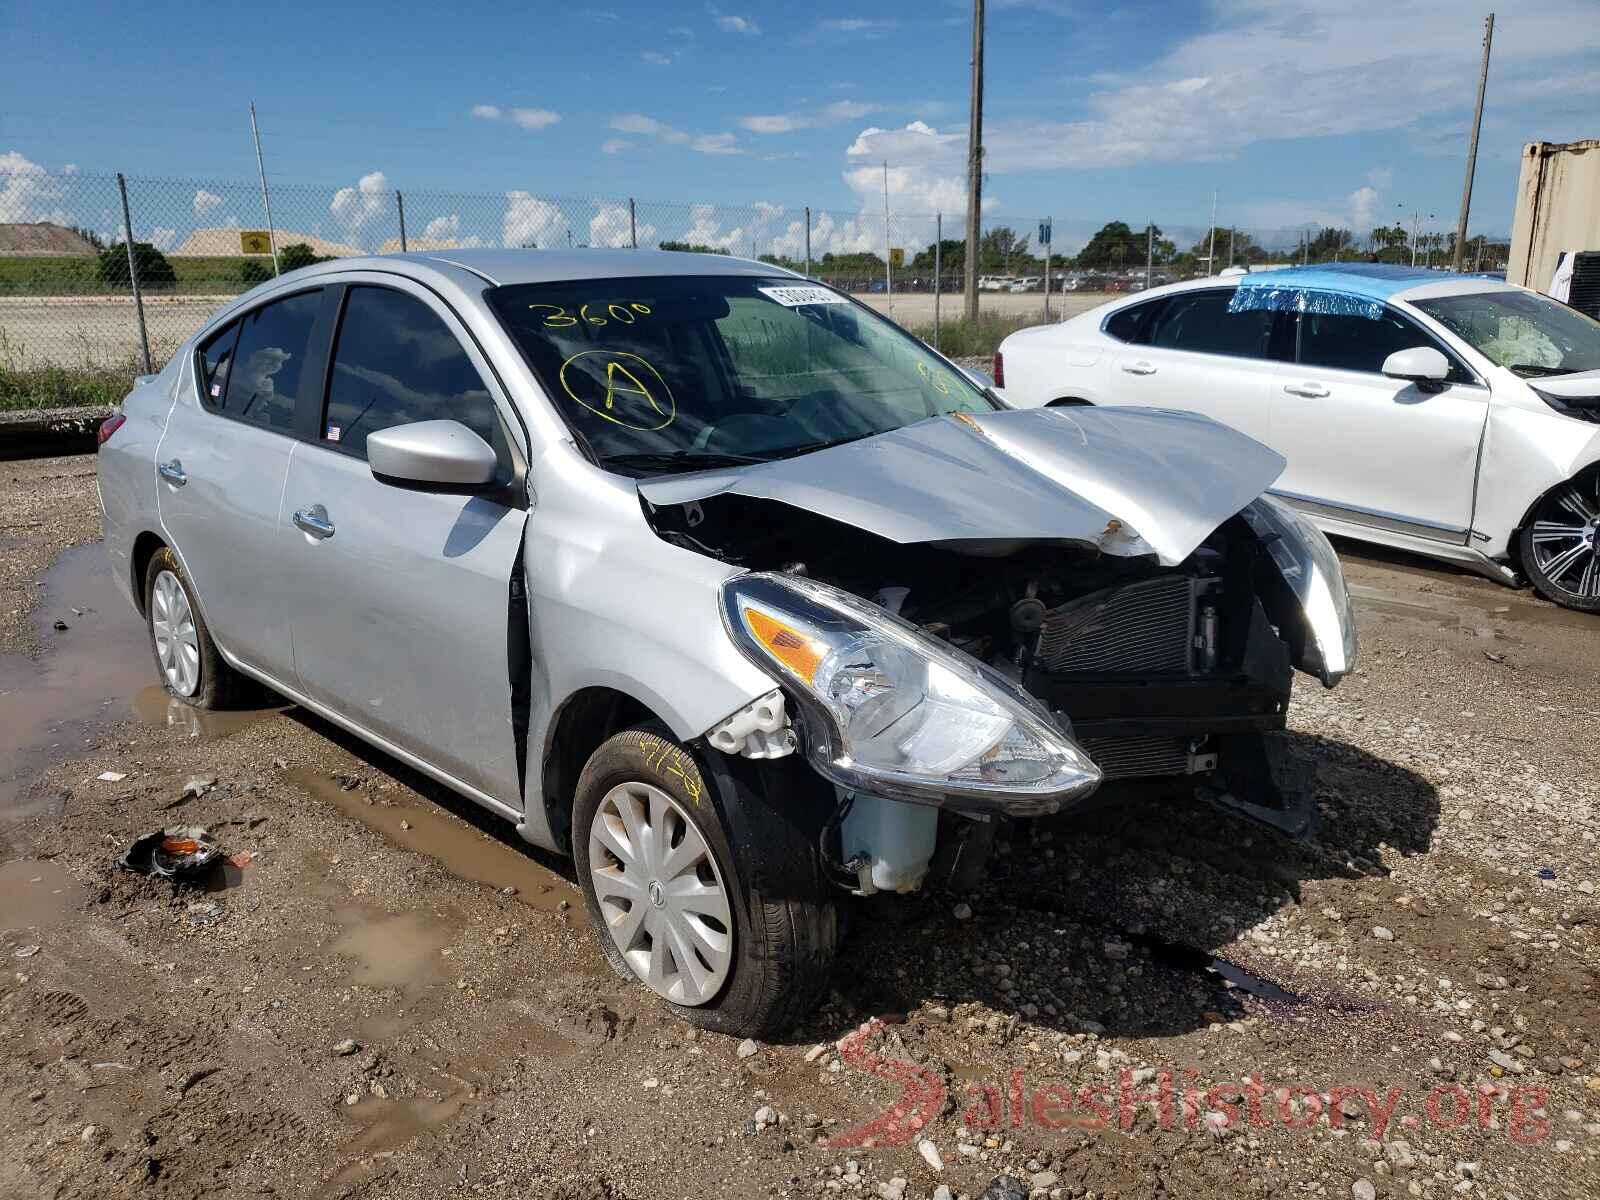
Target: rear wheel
pixel 186 658
pixel 736 941
pixel 1561 544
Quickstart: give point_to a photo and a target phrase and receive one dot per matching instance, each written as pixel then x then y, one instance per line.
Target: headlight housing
pixel 1310 567
pixel 894 712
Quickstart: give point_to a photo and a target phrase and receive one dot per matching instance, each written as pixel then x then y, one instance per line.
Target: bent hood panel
pixel 1129 480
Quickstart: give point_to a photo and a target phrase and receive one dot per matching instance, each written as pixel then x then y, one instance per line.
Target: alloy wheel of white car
pixel 177 640
pixel 1563 544
pixel 661 893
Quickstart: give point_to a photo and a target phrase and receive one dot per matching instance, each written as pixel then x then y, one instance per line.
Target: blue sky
pixel 1301 111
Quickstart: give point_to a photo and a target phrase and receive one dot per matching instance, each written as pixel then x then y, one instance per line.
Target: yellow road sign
pixel 254 241
pixel 897 256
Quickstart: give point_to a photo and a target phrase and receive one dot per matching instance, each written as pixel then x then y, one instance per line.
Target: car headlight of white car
pixel 1311 569
pixel 892 711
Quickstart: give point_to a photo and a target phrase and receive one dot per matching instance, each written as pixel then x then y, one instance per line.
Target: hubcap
pixel 177 641
pixel 661 894
pixel 1566 538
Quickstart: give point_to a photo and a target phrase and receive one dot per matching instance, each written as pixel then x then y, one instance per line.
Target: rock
pixel 346 1048
pixel 1501 1059
pixel 895 1189
pixel 405 824
pixel 930 1154
pixel 198 785
pixel 1383 934
pixel 962 912
pixel 91 1133
pixel 1363 1189
pixel 1004 1187
pixel 1045 1179
pixel 1116 951
pixel 747 1048
pixel 651 1084
pixel 508 891
pixel 942 1192
pixel 766 1115
pixel 816 1051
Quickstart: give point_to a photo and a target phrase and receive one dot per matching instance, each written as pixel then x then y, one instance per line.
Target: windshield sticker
pixel 621 388
pixel 794 297
pixel 622 313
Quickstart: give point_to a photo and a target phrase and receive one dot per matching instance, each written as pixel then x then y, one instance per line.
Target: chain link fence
pixel 80 314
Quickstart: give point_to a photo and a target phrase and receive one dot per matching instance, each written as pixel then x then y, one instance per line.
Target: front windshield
pixel 683 372
pixel 1531 335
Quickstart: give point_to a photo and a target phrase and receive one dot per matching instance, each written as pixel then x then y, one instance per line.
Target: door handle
pixel 1312 391
pixel 314 520
pixel 1139 368
pixel 172 472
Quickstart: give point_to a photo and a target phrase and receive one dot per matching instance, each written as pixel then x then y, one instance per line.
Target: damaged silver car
pixel 711 578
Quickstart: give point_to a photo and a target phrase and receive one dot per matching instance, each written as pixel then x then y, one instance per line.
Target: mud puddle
pixel 49 706
pixel 387 1125
pixel 154 705
pixel 36 894
pixel 462 850
pixel 393 950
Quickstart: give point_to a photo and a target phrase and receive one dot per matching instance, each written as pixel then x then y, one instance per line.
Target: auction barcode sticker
pixel 794 297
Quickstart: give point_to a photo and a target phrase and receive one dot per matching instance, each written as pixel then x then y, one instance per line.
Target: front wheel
pixel 739 941
pixel 1561 544
pixel 188 661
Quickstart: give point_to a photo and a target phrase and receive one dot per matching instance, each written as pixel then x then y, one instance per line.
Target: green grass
pixel 64 387
pixel 74 275
pixel 961 338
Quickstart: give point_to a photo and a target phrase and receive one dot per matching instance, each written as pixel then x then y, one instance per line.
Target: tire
pixel 195 672
pixel 1560 544
pixel 760 849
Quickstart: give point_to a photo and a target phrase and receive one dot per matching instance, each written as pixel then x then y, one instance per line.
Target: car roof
pixel 555 266
pixel 1368 282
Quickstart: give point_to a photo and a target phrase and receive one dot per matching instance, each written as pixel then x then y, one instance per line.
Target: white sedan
pixel 1448 415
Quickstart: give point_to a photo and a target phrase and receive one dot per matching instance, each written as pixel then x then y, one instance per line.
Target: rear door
pixel 402 593
pixel 1193 353
pixel 222 463
pixel 1369 449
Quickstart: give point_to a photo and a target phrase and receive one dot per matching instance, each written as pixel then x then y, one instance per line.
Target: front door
pixel 403 594
pixel 1369 449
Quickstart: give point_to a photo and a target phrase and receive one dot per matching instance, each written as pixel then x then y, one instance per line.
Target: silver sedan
pixel 710 577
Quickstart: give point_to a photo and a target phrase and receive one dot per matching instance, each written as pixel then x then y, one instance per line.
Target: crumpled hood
pixel 1581 385
pixel 1129 480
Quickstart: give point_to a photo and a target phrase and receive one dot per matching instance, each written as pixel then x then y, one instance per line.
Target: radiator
pixel 1146 627
pixel 1129 757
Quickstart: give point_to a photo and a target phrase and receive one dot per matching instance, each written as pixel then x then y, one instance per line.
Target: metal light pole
pixel 1149 251
pixel 133 272
pixel 1211 252
pixel 266 199
pixel 400 208
pixel 888 267
pixel 1472 147
pixel 974 164
pixel 808 241
pixel 938 246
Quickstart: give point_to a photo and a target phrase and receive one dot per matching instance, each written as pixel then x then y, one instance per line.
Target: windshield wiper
pixel 1541 371
pixel 678 460
pixel 797 451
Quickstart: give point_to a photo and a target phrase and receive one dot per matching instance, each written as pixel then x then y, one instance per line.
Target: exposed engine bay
pixel 1156 670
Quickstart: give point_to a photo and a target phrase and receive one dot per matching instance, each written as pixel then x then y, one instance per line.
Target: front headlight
pixel 1311 569
pixel 895 712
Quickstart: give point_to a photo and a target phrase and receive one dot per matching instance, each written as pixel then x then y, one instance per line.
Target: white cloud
pixel 444 233
pixel 854 25
pixel 732 24
pixel 29 193
pixel 205 201
pixel 162 237
pixel 354 207
pixel 534 118
pixel 527 118
pixel 829 114
pixel 659 59
pixel 638 123
pixel 615 145
pixel 609 227
pixel 529 221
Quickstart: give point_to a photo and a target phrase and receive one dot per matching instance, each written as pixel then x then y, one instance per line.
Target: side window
pixel 264 377
pixel 216 356
pixel 1346 343
pixel 395 362
pixel 1200 321
pixel 1132 324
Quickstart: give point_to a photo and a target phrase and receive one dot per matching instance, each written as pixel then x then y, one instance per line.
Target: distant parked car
pixel 1028 283
pixel 1448 415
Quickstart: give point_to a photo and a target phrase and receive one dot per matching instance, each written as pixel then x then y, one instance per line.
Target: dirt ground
pixel 385 994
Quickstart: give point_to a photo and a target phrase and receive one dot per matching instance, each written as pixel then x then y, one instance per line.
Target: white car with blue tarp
pixel 1449 415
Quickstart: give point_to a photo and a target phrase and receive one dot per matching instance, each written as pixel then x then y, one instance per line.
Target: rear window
pixel 1202 322
pixel 1132 324
pixel 263 378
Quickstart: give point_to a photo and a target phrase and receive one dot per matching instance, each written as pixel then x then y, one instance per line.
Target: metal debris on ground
pixel 174 851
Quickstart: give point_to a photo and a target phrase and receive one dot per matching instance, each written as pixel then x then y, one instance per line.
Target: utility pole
pixel 888 267
pixel 1231 232
pixel 1211 253
pixel 974 165
pixel 808 241
pixel 1149 251
pixel 938 245
pixel 266 200
pixel 1472 147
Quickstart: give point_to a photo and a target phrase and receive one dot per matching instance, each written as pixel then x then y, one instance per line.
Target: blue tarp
pixel 1342 289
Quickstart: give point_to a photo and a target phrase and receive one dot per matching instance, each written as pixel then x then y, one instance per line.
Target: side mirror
pixel 1419 364
pixel 438 452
